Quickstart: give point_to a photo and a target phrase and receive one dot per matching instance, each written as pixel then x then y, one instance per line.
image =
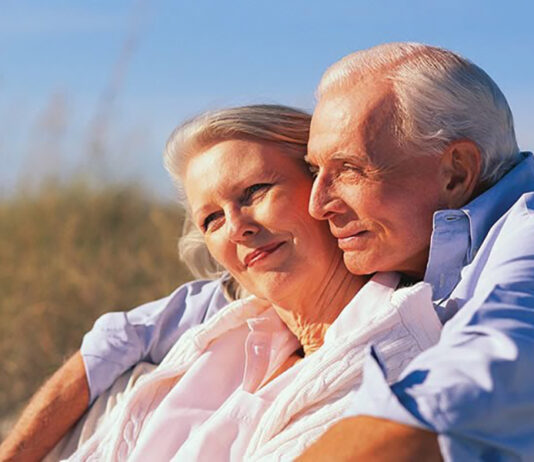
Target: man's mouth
pixel 261 252
pixel 356 241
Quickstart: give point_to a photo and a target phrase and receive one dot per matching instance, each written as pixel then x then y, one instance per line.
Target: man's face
pixel 378 199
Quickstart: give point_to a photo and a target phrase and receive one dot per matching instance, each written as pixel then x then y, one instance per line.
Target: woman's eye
pixel 210 221
pixel 253 191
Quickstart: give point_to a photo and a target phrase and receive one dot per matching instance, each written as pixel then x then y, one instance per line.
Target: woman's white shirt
pixel 206 400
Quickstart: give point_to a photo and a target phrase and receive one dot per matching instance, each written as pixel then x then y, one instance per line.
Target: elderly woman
pixel 269 373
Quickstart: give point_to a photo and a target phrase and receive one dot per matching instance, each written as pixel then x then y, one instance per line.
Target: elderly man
pixel 418 171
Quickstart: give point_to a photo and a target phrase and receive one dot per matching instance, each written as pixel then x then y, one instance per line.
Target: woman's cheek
pixel 287 204
pixel 219 248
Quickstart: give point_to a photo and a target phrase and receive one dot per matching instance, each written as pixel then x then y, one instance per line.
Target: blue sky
pixel 166 60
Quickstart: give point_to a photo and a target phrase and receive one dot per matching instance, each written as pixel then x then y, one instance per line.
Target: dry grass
pixel 69 253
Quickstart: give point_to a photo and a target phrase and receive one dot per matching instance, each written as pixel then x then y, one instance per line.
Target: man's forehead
pixel 348 120
pixel 330 118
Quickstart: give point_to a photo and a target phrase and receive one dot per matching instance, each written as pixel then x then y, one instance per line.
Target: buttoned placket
pixel 268 341
pixel 257 350
pixel 449 247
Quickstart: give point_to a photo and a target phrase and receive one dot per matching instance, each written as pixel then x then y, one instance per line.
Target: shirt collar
pixel 484 211
pixel 370 301
pixel 458 234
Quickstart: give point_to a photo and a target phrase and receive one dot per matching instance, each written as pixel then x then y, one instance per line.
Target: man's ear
pixel 460 170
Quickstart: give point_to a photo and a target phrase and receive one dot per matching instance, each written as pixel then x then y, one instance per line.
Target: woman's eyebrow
pixel 269 175
pixel 200 213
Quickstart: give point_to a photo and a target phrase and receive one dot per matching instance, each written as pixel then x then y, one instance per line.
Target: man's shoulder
pixel 524 206
pixel 508 249
pixel 197 292
pixel 515 224
pixel 506 254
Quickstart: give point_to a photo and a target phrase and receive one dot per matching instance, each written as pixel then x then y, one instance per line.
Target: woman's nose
pixel 241 226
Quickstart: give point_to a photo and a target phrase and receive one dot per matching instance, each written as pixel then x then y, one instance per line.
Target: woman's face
pixel 250 200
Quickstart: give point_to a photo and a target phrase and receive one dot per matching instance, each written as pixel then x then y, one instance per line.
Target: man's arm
pixel 50 414
pixel 366 438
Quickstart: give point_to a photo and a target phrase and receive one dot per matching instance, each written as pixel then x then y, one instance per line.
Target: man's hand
pixel 49 415
pixel 365 438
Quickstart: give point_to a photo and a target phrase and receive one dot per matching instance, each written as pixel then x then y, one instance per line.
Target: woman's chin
pixel 273 285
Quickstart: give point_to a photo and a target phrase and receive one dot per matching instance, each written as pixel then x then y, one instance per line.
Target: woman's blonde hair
pixel 278 124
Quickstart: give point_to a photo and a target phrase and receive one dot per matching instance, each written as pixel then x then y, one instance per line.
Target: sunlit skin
pixel 250 200
pixel 378 198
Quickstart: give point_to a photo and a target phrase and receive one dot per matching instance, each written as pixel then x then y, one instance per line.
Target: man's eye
pixel 353 169
pixel 314 170
pixel 254 190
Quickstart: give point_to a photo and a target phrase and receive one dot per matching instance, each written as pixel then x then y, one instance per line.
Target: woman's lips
pixel 260 253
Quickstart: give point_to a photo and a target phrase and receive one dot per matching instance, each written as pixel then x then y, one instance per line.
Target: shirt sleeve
pixel 119 340
pixel 476 386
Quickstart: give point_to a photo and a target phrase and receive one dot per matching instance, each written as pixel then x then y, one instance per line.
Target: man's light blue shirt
pixel 476 386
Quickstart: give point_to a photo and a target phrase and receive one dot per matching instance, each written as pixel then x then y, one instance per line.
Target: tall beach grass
pixel 68 253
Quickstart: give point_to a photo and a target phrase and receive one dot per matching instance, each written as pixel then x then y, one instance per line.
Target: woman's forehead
pixel 234 159
pixel 225 169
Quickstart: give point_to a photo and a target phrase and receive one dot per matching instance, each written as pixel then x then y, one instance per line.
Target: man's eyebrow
pixel 345 157
pixel 362 161
pixel 335 156
pixel 340 157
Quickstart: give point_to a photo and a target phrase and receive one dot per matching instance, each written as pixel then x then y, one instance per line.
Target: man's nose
pixel 241 226
pixel 324 202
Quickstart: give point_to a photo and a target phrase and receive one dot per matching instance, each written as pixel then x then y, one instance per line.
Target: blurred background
pixel 89 92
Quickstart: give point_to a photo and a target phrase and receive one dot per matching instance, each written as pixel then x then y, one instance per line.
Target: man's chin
pixel 359 264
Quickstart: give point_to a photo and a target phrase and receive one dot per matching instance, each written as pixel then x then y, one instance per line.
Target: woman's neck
pixel 312 310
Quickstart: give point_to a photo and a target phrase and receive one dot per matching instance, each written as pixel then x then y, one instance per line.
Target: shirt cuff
pixel 100 374
pixel 376 399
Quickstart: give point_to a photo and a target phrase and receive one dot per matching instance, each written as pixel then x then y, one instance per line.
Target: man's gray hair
pixel 440 97
pixel 283 125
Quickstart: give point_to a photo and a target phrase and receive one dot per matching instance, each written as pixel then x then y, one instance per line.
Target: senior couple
pixel 418 177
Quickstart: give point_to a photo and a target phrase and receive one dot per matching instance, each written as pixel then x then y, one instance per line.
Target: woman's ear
pixel 460 170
